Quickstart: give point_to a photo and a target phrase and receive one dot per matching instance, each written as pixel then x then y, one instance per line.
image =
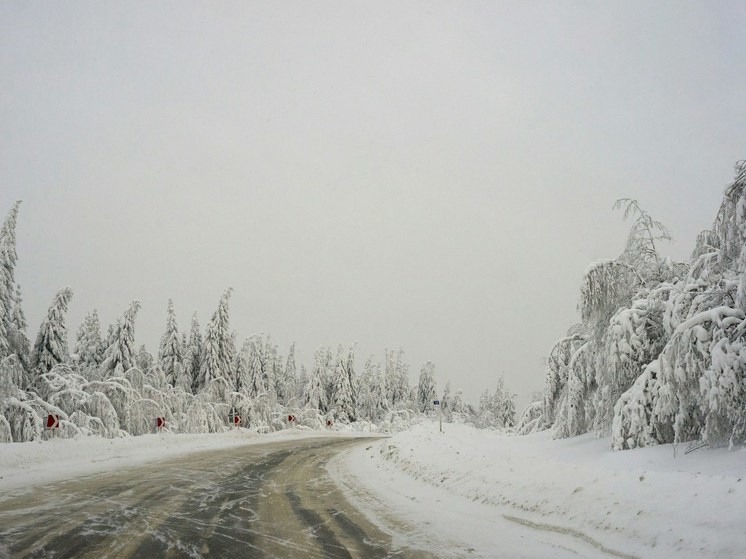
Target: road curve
pixel 269 500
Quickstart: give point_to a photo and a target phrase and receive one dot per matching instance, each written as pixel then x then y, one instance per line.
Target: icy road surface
pixel 265 500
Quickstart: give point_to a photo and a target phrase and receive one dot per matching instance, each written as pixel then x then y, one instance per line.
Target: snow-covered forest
pixel 102 384
pixel 660 353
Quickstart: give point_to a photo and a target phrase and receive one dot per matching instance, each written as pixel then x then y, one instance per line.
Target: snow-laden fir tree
pixel 89 347
pixel 397 378
pixel 342 403
pixel 364 395
pixel 218 352
pixel 458 407
pixel 51 342
pixel 120 355
pixel 271 367
pixel 445 400
pixel 426 392
pixel 316 391
pixel 301 383
pixel 287 390
pixel 170 356
pixel 145 360
pixel 255 384
pixel 502 403
pixel 193 355
pixel 18 341
pixel 242 367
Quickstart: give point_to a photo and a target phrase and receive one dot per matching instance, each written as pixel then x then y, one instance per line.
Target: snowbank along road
pixel 267 500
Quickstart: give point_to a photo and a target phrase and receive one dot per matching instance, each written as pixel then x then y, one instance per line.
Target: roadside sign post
pixel 53 422
pixel 233 417
pixel 436 404
pixel 160 423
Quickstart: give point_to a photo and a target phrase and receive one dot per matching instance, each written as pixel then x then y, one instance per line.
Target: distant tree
pixel 426 392
pixel 193 355
pixel 170 356
pixel 286 387
pixel 445 400
pixel 316 390
pixel 301 383
pixel 89 347
pixel 256 385
pixel 503 405
pixel 145 359
pixel 342 400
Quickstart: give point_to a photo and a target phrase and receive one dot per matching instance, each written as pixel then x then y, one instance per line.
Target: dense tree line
pixel 106 386
pixel 660 353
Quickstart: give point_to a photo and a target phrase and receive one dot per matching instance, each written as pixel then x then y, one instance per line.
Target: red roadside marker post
pixel 291 419
pixel 160 423
pixel 53 422
pixel 329 423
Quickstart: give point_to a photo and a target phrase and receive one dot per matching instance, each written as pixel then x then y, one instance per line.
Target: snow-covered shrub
pixel 25 423
pixel 683 362
pixel 531 419
pixel 723 390
pixel 6 436
pixel 100 407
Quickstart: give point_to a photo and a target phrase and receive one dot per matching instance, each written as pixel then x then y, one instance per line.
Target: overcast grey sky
pixel 436 175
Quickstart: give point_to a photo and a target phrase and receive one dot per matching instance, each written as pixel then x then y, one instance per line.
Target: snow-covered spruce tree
pixel 8 259
pixel 300 385
pixel 316 390
pixel 397 378
pixel 218 349
pixel 120 355
pixel 242 367
pixel 17 339
pixel 170 356
pixel 144 360
pixel 365 391
pixel 89 347
pixel 342 405
pixel 349 366
pixel 256 379
pixel 193 354
pixel 287 388
pixel 51 342
pixel 271 368
pixel 426 387
pixel 503 405
pixel 445 401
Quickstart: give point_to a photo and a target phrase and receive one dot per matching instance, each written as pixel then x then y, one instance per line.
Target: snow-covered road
pixel 260 500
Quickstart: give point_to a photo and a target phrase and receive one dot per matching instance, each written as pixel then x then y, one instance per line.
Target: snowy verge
pixel 24 465
pixel 461 487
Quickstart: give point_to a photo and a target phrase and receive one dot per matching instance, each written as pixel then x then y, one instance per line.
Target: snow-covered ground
pixel 480 493
pixel 25 465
